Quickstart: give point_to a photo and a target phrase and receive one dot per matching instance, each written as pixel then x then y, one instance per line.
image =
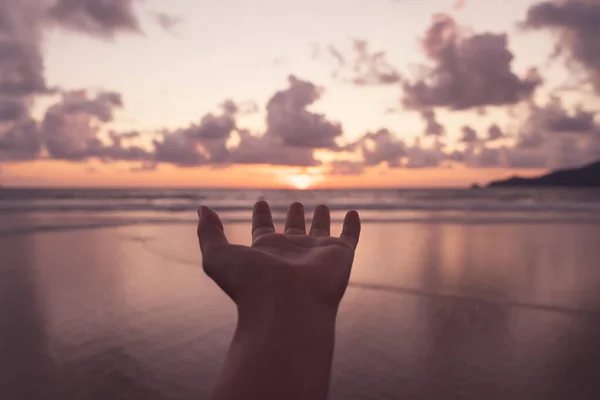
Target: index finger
pixel 210 229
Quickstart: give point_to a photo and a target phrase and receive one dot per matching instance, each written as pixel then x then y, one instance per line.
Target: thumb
pixel 210 230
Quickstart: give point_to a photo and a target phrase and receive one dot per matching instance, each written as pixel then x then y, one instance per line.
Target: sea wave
pixel 25 207
pixel 33 227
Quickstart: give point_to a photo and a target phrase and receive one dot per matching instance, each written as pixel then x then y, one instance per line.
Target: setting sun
pixel 302 181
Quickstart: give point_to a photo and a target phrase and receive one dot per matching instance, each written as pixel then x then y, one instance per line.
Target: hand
pixel 291 266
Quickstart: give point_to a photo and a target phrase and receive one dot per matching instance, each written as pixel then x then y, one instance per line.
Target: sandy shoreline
pixel 127 313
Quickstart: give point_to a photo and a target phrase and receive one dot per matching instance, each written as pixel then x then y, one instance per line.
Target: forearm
pixel 281 350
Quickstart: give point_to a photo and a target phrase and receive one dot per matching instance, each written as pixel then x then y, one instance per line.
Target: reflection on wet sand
pixel 434 311
pixel 25 363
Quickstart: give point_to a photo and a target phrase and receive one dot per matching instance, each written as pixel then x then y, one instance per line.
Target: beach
pixel 434 310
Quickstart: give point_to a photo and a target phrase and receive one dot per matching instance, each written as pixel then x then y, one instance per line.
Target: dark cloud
pixel 346 167
pixel 456 156
pixel 213 127
pixel 432 126
pixel 466 71
pixel 101 106
pixel 490 157
pixel 552 136
pixel 11 109
pixel 421 157
pixel 380 147
pixel 22 141
pixel 70 129
pixel 481 156
pixel 206 143
pixel 553 117
pixel 292 135
pixel 199 144
pixel 21 63
pixel 269 149
pixel 179 149
pixel 289 119
pixel 119 136
pixel 526 158
pixel 580 121
pixel 95 17
pixel 494 133
pixel 469 135
pixel 529 140
pixel 577 26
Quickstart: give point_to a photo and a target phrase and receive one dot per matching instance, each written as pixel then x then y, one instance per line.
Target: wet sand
pixel 434 311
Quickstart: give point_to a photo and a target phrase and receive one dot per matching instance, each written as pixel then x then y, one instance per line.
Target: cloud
pixel 552 136
pixel 167 21
pixel 215 126
pixel 337 55
pixel 21 62
pixel 101 106
pixel 469 135
pixel 421 157
pixel 432 126
pixel 206 143
pixel 366 68
pixel 179 149
pixel 379 147
pixel 199 144
pixel 480 156
pixel 289 120
pixel 22 24
pixel 268 149
pixel 22 141
pixel 70 129
pixel 383 147
pixel 101 18
pixel 466 71
pixel 580 121
pixel 11 109
pixel 372 68
pixel 526 158
pixel 346 167
pixel 554 118
pixel 576 24
pixel 494 133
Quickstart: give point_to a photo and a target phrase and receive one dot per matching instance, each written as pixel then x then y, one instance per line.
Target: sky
pixel 278 93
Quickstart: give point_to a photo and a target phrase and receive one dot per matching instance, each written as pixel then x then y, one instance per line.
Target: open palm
pixel 279 264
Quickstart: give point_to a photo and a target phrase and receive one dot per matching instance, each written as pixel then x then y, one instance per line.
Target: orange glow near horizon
pixel 301 181
pixel 64 174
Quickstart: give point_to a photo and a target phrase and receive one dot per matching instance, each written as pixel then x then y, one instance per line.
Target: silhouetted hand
pixel 287 287
pixel 291 266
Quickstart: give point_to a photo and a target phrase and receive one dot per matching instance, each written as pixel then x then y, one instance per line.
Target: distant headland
pixel 586 176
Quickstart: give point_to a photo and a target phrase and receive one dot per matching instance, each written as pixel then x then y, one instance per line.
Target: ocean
pixel 466 293
pixel 63 208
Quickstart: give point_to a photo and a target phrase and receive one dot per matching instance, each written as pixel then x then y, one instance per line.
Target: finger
pixel 294 222
pixel 321 221
pixel 351 229
pixel 262 220
pixel 210 229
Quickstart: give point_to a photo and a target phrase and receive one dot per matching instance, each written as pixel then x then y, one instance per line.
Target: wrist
pixel 288 311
